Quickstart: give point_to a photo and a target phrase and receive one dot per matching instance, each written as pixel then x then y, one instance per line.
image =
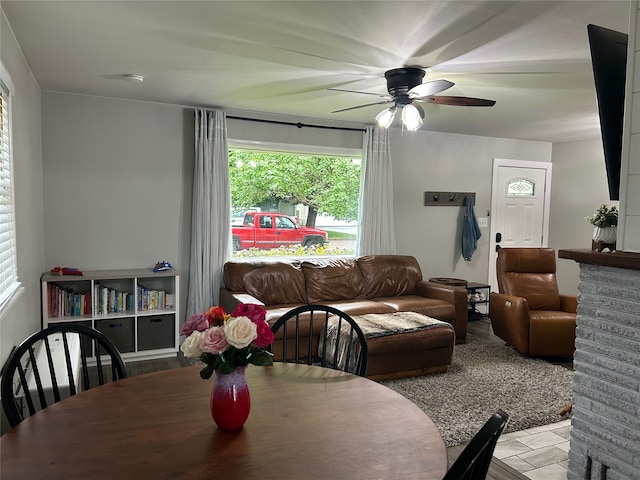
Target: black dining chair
pixel 53 364
pixel 321 335
pixel 473 462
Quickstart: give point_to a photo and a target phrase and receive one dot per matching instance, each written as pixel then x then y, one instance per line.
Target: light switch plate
pixel 483 222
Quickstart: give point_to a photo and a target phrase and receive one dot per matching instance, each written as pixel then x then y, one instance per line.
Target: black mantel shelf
pixel 628 260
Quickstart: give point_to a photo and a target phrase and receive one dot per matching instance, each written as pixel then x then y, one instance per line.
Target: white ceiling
pixel 532 57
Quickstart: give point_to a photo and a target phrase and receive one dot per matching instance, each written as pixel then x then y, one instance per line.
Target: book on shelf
pixel 151 299
pixel 66 302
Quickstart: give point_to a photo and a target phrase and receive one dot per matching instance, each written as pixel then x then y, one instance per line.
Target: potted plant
pixel 605 222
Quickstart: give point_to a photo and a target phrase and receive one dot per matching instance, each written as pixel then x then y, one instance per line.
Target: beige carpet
pixel 483 377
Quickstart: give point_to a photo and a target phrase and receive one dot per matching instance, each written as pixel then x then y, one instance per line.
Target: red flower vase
pixel 230 400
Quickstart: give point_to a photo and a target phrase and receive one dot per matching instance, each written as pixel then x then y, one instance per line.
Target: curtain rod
pixel 299 124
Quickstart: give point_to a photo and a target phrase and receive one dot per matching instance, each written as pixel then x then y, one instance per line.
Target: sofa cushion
pixel 389 275
pixel 431 307
pixel 332 279
pixel 361 306
pixel 233 275
pixel 276 283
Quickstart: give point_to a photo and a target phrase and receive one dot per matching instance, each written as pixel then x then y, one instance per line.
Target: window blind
pixel 8 263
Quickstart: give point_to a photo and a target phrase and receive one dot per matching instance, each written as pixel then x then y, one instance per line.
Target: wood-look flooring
pixel 497 470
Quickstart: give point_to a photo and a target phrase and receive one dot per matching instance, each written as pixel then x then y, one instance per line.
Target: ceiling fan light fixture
pixel 411 118
pixel 385 117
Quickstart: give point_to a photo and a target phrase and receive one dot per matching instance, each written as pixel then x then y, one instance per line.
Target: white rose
pixel 240 331
pixel 191 345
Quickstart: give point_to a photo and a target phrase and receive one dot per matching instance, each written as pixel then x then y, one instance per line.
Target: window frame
pixel 13 287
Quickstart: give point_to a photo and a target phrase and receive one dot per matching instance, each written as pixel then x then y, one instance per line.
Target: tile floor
pixel 539 453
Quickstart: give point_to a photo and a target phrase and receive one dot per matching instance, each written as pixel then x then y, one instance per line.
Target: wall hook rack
pixel 447 199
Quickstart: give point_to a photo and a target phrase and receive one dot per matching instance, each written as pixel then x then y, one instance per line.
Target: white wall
pixel 117 183
pixel 578 188
pixel 22 317
pixel 431 161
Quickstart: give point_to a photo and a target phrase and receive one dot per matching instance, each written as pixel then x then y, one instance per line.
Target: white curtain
pixel 376 231
pixel 211 211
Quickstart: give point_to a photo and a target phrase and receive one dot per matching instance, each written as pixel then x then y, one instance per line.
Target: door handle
pixel 498 247
pixel 498 237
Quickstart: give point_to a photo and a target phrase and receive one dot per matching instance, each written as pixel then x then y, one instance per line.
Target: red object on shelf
pixel 65 271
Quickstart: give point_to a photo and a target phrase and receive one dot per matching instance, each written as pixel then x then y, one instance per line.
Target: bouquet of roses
pixel 226 341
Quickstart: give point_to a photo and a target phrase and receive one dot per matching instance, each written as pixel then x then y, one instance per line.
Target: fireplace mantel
pixel 618 259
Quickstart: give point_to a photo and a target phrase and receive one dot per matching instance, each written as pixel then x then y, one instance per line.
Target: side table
pixel 478 295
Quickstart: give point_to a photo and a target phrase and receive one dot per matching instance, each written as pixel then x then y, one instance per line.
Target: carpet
pixel 483 377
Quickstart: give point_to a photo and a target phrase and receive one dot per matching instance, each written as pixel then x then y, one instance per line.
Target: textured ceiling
pixel 532 57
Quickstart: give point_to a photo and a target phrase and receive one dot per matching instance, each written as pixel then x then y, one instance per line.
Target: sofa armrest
pixel 510 320
pixel 455 295
pixel 569 303
pixel 230 300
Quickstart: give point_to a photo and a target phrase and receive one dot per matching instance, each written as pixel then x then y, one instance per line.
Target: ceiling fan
pixel 405 89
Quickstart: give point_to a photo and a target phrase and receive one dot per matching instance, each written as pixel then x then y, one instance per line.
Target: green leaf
pixel 206 372
pixel 261 358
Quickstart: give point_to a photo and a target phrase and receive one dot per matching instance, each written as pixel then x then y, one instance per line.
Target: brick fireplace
pixel 605 436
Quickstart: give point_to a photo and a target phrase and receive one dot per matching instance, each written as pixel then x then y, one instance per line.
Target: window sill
pixel 10 302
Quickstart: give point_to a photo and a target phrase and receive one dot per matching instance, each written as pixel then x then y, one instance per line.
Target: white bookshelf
pixel 141 330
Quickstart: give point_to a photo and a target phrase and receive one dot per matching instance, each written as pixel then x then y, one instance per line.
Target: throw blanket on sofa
pixel 372 325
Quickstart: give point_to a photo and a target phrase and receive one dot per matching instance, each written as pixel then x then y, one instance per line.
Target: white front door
pixel 519 207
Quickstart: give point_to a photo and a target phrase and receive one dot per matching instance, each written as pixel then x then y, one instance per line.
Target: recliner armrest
pixel 569 303
pixel 230 300
pixel 510 319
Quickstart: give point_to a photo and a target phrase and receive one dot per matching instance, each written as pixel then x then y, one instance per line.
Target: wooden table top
pixel 305 423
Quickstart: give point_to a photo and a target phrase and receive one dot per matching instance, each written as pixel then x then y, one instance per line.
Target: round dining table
pixel 306 422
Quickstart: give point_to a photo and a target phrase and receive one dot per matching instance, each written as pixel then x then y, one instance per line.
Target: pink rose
pixel 255 312
pixel 214 341
pixel 197 321
pixel 265 335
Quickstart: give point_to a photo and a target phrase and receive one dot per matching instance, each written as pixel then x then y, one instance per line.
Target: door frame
pixel 504 162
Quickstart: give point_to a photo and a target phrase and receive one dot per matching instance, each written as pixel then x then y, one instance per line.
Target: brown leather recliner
pixel 529 313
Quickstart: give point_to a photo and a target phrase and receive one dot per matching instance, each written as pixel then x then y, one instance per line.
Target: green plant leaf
pixel 261 358
pixel 206 372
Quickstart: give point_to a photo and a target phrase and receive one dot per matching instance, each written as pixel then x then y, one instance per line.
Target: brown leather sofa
pixel 368 284
pixel 529 313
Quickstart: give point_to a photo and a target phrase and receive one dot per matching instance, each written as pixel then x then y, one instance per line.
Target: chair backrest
pixel 529 273
pixel 53 364
pixel 473 462
pixel 321 335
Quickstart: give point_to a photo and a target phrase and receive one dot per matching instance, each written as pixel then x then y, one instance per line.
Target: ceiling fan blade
pixel 357 91
pixel 362 106
pixel 458 101
pixel 429 88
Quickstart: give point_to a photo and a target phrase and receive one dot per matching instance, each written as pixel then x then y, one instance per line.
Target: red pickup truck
pixel 271 230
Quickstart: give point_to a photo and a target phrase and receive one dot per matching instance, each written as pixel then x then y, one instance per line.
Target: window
pixel 303 203
pixel 521 187
pixel 8 264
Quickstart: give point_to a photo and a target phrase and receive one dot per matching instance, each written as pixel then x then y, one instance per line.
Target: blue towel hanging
pixel 470 230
